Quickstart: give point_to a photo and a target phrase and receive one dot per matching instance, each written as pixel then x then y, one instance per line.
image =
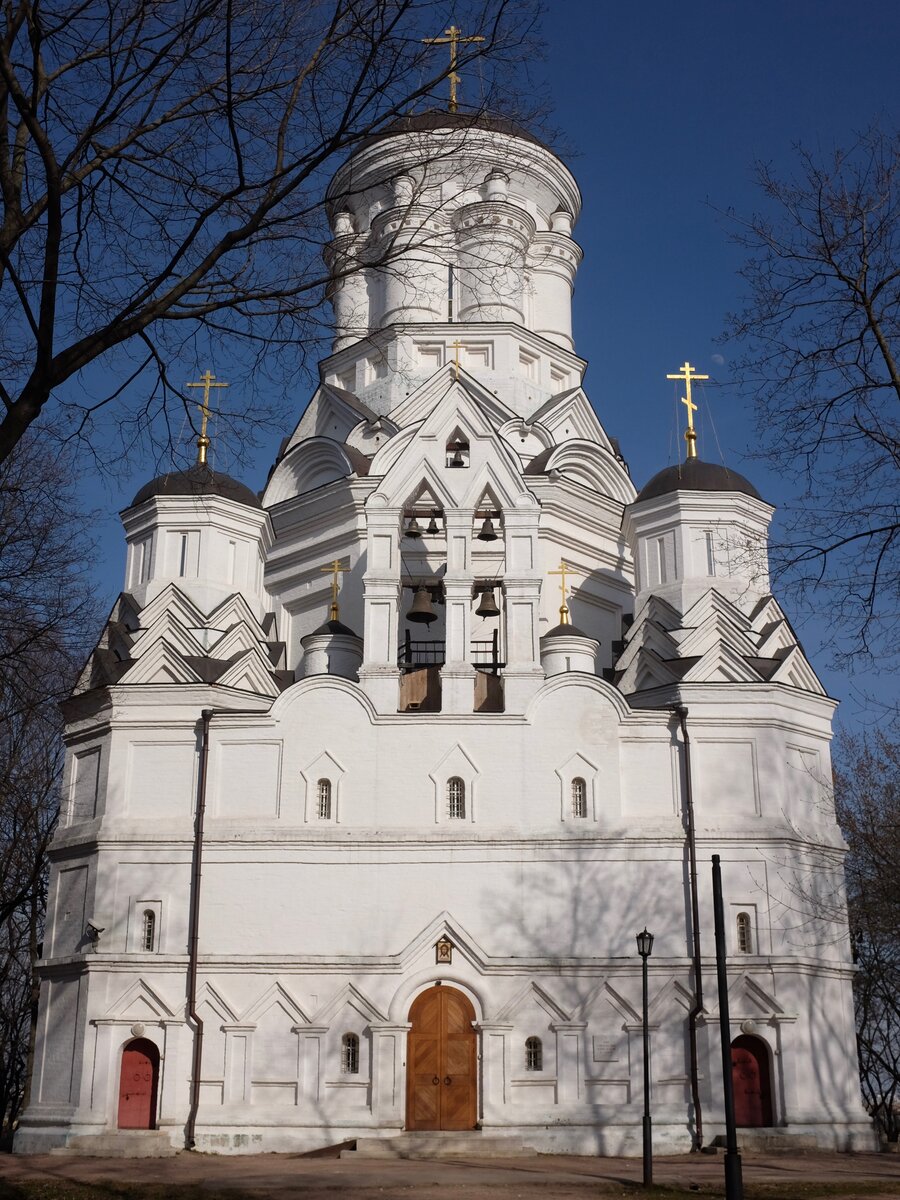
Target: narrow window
pixel 183 557
pixel 710 553
pixel 323 799
pixel 534 1054
pixel 661 559
pixel 349 1054
pixel 456 799
pixel 148 930
pixel 579 798
pixel 744 934
pixel 450 281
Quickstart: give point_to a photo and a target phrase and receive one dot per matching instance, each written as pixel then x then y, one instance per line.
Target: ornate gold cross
pixel 335 569
pixel 564 569
pixel 207 381
pixel 457 346
pixel 454 39
pixel 688 375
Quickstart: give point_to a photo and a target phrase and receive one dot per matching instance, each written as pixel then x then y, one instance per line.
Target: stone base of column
pixel 519 687
pixel 457 688
pixel 382 685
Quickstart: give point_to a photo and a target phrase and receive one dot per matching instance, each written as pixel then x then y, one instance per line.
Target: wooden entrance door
pixel 440 1073
pixel 752 1090
pixel 138 1083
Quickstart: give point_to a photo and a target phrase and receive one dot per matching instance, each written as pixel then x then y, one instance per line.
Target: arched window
pixel 534 1054
pixel 744 934
pixel 456 799
pixel 579 798
pixel 323 799
pixel 350 1054
pixel 148 930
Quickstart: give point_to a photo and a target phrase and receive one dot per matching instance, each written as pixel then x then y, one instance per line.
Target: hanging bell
pixel 488 605
pixel 413 529
pixel 457 460
pixel 433 528
pixel 487 533
pixel 421 611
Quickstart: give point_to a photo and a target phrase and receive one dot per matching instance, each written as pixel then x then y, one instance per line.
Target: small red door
pixel 138 1084
pixel 752 1090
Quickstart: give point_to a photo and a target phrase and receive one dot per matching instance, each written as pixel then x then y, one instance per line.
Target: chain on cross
pixel 207 381
pixel 454 40
pixel 688 375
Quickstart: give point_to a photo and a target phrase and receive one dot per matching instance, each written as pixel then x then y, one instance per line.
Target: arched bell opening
pixel 138 1085
pixel 752 1079
pixel 422 645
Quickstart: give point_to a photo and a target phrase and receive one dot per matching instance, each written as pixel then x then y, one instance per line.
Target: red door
pixel 138 1083
pixel 752 1090
pixel 440 1073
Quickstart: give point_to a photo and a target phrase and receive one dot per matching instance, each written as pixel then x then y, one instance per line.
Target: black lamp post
pixel 645 947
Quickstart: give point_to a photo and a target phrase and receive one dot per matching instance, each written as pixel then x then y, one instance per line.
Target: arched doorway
pixel 752 1082
pixel 138 1085
pixel 440 1072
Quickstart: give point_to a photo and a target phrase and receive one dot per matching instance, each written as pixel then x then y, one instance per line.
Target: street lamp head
pixel 645 943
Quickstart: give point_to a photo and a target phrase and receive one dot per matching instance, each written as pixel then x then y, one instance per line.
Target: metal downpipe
pixel 193 930
pixel 681 713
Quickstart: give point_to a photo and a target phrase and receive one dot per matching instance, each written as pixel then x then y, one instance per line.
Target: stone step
pixel 120 1143
pixel 769 1141
pixel 439 1145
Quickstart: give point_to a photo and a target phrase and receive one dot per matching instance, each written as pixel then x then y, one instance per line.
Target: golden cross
pixel 688 375
pixel 564 569
pixel 457 346
pixel 335 569
pixel 453 39
pixel 206 382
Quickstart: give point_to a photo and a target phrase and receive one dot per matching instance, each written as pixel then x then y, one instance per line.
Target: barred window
pixel 744 934
pixel 148 930
pixel 534 1054
pixel 579 798
pixel 350 1054
pixel 323 799
pixel 456 799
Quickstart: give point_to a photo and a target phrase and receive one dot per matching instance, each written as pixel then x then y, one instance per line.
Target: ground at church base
pixel 804 1176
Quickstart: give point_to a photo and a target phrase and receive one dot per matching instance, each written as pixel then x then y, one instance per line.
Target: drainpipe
pixel 194 927
pixel 681 713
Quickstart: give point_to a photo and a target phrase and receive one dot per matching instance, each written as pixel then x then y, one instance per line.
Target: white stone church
pixel 372 780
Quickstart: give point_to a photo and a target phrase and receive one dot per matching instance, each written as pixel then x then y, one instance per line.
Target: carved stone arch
pixel 593 467
pixel 389 454
pixel 311 464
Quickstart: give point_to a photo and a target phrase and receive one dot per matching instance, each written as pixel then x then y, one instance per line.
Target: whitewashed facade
pixel 522 798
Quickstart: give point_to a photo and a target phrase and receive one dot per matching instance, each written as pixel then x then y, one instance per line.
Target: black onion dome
pixel 335 627
pixel 566 631
pixel 692 475
pixel 199 480
pixel 436 118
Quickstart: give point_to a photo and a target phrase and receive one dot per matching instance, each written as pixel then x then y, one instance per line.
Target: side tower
pixel 368 790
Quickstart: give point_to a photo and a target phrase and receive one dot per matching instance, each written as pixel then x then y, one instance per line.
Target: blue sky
pixel 666 107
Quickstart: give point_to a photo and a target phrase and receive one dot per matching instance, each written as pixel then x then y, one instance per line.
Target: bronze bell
pixel 413 529
pixel 421 610
pixel 433 528
pixel 487 533
pixel 457 460
pixel 488 605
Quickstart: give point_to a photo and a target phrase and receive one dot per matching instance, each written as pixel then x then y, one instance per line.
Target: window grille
pixel 456 799
pixel 534 1054
pixel 148 931
pixel 579 798
pixel 744 934
pixel 323 799
pixel 350 1054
